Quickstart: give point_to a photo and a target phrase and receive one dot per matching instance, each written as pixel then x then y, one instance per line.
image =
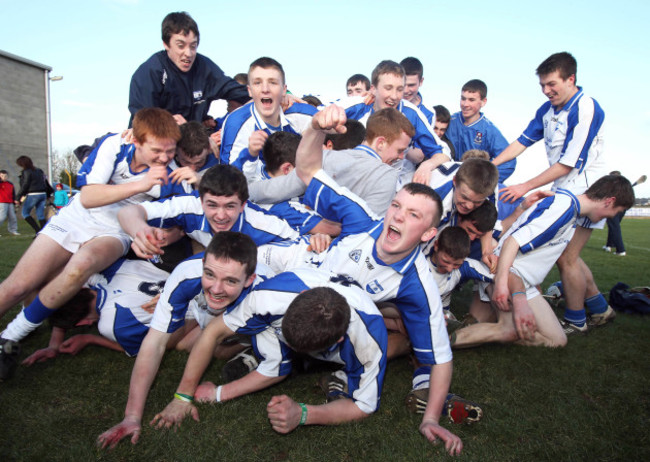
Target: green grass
pixel 588 401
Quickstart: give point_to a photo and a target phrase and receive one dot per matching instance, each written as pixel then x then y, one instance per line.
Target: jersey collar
pixel 261 125
pixel 368 150
pixel 574 99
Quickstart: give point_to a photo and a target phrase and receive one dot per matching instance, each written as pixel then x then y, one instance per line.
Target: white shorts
pixel 71 231
pixel 531 291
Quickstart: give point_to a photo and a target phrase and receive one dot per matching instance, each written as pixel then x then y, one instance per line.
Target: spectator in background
pixel 33 188
pixel 7 199
pixel 61 197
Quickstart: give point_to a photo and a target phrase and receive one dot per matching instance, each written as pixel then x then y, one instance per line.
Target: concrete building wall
pixel 23 112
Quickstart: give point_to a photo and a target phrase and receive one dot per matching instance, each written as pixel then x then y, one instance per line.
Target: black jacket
pixel 32 181
pixel 159 83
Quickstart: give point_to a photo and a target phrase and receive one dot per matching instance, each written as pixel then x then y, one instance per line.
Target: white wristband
pixel 217 394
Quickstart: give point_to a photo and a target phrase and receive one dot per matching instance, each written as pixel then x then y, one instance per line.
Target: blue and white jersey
pixel 470 269
pixel 572 136
pixel 542 232
pixel 424 138
pixel 295 213
pixel 408 282
pixel 240 125
pixel 110 163
pixel 186 211
pixel 481 134
pixel 122 289
pixel 183 296
pixel 362 352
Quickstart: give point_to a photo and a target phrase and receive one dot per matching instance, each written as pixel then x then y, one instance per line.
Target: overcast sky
pixel 97 45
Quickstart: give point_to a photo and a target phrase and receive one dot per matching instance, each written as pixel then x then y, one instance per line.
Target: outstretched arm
pixel 430 427
pixel 285 414
pixel 513 150
pixel 77 343
pixel 144 371
pixel 200 356
pixel 50 352
pixel 555 171
pixel 309 156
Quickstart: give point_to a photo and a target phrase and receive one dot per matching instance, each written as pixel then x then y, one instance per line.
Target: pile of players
pixel 336 232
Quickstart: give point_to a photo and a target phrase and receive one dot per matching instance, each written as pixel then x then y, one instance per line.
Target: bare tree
pixel 62 162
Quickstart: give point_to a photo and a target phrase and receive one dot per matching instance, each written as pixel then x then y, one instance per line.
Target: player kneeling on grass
pixel 527 251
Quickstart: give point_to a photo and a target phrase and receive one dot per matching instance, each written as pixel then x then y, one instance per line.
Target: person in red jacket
pixel 7 199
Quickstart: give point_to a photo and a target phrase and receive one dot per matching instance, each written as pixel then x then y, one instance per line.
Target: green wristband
pixel 517 293
pixel 303 417
pixel 183 397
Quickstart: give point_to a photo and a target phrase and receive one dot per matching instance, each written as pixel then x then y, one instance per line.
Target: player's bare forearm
pixel 506 259
pixel 251 382
pixel 144 371
pixel 201 355
pixel 513 150
pixel 439 383
pixel 549 175
pixel 309 156
pixel 335 412
pixel 97 195
pixel 132 218
pixel 285 414
pixel 487 252
pixel 104 342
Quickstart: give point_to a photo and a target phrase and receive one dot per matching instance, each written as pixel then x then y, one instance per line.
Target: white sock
pixel 421 381
pixel 19 328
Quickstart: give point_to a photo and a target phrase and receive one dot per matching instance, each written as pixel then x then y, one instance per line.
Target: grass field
pixel 588 401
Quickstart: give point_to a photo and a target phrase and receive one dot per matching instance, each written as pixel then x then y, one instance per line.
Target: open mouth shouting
pixel 393 234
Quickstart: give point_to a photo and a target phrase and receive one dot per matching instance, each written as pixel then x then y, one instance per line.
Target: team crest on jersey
pixel 164 77
pixel 355 255
pixel 374 287
pixel 478 139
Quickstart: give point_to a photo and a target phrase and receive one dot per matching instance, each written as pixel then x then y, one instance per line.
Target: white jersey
pixel 110 163
pixel 470 269
pixel 243 122
pixel 186 211
pixel 362 352
pixel 122 289
pixel 542 232
pixel 353 255
pixel 183 293
pixel 573 137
